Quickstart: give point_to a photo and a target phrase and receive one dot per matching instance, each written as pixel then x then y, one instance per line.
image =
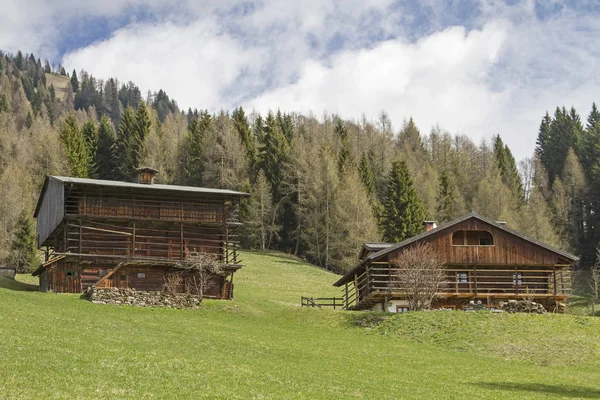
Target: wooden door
pixel 72 282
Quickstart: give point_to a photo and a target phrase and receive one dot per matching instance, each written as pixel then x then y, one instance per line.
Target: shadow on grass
pixel 10 284
pixel 558 390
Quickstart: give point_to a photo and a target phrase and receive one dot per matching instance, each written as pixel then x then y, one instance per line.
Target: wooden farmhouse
pixel 132 235
pixel 484 261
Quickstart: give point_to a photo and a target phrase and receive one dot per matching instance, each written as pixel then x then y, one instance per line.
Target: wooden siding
pixel 508 250
pixel 51 211
pixel 150 205
pixel 149 240
pixel 72 277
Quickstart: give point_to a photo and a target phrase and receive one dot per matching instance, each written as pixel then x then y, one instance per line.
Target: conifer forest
pixel 321 186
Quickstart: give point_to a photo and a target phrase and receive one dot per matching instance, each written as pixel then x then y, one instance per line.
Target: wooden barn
pixel 484 261
pixel 133 235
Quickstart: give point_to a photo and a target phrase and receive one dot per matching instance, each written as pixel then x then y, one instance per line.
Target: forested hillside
pixel 320 187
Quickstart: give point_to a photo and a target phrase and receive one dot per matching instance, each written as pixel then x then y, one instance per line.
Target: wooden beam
pixel 109 274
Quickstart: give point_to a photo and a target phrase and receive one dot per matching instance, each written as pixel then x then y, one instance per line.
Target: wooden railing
pixel 319 302
pixel 519 281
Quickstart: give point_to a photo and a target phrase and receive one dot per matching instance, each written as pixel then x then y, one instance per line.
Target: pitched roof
pixel 425 234
pixel 121 184
pixel 370 247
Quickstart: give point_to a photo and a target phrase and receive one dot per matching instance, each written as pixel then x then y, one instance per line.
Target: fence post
pixel 346 295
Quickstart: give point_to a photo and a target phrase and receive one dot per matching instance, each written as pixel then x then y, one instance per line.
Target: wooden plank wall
pixel 144 239
pixel 70 277
pixel 507 250
pixel 51 211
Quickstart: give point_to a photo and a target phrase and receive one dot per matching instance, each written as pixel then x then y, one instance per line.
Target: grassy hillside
pixel 263 345
pixel 60 83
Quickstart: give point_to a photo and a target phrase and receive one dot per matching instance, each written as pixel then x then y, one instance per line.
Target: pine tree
pixel 273 154
pixel 90 134
pixel 246 136
pixel 345 153
pixel 47 68
pixel 104 157
pixel 403 213
pixel 74 82
pixel 3 103
pixel 508 168
pixel 142 125
pixel 78 157
pixel 23 254
pixel 366 175
pixel 194 167
pixel 445 199
pixel 28 120
pixel 125 146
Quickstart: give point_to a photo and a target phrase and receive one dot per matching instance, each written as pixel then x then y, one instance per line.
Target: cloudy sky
pixel 474 67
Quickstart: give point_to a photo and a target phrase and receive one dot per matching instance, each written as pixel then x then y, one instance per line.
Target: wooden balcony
pixel 377 283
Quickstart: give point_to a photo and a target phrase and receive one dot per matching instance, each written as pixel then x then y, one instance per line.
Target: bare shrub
pixel 172 282
pixel 418 276
pixel 206 267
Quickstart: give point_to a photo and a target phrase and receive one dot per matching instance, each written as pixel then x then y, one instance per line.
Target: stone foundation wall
pixel 139 298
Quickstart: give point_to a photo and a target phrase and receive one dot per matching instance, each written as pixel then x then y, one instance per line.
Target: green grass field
pixel 264 345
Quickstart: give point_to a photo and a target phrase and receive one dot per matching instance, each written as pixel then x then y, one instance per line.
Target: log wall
pixel 508 249
pixel 73 277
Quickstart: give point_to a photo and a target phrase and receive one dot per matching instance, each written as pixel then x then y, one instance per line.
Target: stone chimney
pixel 429 225
pixel 145 175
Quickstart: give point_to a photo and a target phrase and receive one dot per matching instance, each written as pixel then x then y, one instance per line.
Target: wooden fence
pixel 335 302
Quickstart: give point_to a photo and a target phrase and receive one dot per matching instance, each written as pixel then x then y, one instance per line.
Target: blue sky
pixel 473 67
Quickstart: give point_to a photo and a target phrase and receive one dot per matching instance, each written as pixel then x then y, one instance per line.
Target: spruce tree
pixel 125 146
pixel 47 68
pixel 90 134
pixel 104 157
pixel 345 153
pixel 403 212
pixel 445 199
pixel 366 175
pixel 508 169
pixel 194 166
pixel 142 124
pixel 78 156
pixel 74 82
pixel 23 252
pixel 273 154
pixel 247 137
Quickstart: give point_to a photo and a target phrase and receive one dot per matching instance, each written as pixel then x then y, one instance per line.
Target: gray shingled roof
pixel 473 214
pixel 157 186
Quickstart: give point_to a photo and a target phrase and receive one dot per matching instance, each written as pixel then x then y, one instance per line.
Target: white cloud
pixel 441 78
pixel 498 73
pixel 193 63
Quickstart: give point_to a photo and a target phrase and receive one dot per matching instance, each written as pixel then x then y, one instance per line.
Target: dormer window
pixel 472 238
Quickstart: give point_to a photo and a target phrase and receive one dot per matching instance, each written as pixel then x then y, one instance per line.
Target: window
pixel 517 279
pixel 402 309
pixel 462 277
pixel 123 277
pixel 141 275
pixel 70 273
pixel 101 272
pixel 472 238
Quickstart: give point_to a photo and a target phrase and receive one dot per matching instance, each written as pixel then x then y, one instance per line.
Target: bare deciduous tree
pixel 206 267
pixel 418 276
pixel 594 281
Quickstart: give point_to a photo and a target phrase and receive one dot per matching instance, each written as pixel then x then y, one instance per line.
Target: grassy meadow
pixel 263 345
